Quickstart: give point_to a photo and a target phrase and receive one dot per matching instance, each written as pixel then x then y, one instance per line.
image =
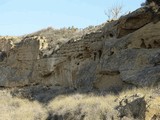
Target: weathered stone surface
pixel 132 107
pixel 3 55
pixel 17 69
pixel 137 66
pixel 121 52
pixel 111 58
pixel 134 21
pixel 146 77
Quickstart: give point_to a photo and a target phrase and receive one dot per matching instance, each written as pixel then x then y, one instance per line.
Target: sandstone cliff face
pixel 123 52
pixel 52 72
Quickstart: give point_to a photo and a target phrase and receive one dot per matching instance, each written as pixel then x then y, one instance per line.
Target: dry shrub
pixel 20 109
pixel 89 106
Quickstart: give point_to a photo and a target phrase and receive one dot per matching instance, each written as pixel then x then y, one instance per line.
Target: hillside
pixel 58 37
pixel 106 72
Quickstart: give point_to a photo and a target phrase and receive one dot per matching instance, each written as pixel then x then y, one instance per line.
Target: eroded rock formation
pixel 57 69
pixel 122 52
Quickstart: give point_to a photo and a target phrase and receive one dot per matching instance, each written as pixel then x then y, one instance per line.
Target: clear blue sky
pixel 18 17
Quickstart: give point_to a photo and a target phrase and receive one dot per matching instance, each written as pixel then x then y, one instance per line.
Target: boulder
pixel 132 107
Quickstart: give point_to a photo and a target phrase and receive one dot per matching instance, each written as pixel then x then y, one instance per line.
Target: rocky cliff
pixel 112 57
pixel 117 54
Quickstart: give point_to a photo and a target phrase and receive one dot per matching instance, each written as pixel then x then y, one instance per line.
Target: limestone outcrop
pixel 119 53
pixel 106 72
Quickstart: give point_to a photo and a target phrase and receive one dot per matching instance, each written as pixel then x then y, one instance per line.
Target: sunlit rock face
pixel 117 54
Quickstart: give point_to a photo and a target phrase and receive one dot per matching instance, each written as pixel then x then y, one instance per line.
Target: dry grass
pixel 147 92
pixel 94 107
pixel 153 108
pixel 89 106
pixel 20 109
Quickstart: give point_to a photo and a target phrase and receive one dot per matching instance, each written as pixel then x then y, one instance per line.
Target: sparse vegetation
pixel 91 106
pixel 114 13
pixel 97 80
pixel 20 109
pixel 75 106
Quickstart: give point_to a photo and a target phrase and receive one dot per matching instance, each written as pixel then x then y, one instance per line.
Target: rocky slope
pixel 117 55
pixel 122 52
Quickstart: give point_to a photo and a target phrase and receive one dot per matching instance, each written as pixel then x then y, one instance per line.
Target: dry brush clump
pixel 104 107
pixel 88 107
pixel 20 109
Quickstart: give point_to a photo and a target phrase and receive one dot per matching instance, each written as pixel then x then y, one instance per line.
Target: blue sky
pixel 20 17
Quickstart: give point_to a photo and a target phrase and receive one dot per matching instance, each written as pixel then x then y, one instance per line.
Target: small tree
pixel 114 12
